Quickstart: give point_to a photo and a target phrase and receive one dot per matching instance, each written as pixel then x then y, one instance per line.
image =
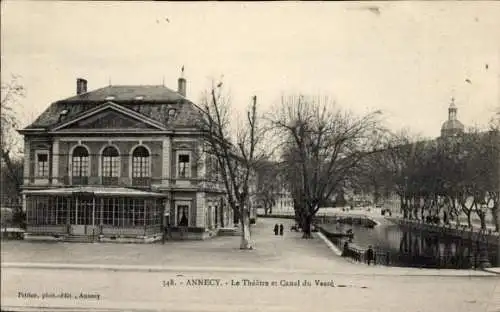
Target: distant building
pixel 284 202
pixel 120 162
pixel 452 127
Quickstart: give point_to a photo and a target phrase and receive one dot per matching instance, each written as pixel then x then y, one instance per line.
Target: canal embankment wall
pixel 346 218
pixel 472 234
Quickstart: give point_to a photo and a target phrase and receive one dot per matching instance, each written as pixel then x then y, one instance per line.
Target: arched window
pixel 80 165
pixel 110 162
pixel 140 162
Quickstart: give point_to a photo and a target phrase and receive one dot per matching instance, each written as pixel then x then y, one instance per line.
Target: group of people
pixel 278 228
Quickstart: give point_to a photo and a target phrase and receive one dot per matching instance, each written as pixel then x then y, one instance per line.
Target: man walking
pixel 370 255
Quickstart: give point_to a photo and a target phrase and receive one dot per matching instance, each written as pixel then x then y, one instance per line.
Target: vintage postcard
pixel 241 156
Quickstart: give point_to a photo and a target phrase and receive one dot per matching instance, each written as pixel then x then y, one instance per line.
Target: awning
pixel 96 191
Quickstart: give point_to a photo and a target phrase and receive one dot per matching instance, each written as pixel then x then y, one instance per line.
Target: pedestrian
pixel 183 225
pixel 276 229
pixel 281 229
pixel 345 250
pixel 370 255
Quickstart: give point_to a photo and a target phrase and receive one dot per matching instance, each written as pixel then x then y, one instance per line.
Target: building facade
pixel 452 127
pixel 120 163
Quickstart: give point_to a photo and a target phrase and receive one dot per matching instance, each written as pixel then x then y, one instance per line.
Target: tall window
pixel 110 166
pixel 42 162
pixel 140 162
pixel 110 162
pixel 183 164
pixel 80 165
pixel 182 215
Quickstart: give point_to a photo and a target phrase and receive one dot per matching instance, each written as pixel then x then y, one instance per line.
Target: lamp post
pixel 484 261
pixel 404 195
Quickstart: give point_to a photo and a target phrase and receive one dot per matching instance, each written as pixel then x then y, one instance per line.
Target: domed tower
pixel 452 127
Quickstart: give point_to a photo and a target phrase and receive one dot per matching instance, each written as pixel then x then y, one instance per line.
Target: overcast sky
pixel 406 58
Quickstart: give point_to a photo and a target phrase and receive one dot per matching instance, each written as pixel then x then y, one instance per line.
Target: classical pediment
pixel 109 117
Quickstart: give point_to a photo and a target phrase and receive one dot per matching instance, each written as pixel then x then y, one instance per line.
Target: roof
pixel 150 93
pixel 452 125
pixel 155 103
pixel 108 191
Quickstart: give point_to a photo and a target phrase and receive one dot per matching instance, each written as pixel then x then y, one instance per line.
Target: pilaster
pixel 200 209
pixel 202 165
pixel 24 203
pixel 166 161
pixel 55 162
pixel 27 161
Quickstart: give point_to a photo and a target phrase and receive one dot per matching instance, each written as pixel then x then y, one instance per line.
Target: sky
pixel 405 58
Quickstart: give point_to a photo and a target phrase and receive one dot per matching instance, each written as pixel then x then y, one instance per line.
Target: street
pixel 214 275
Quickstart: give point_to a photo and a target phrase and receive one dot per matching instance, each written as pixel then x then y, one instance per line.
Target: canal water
pixel 415 248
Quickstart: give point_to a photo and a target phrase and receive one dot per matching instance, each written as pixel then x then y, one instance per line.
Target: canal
pixel 407 247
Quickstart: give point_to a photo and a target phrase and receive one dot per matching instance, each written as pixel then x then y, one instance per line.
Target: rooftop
pixel 147 93
pixel 155 102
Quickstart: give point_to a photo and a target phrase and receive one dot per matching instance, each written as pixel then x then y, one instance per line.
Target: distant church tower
pixel 452 127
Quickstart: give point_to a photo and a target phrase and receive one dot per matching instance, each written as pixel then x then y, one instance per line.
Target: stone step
pixel 229 232
pixel 81 238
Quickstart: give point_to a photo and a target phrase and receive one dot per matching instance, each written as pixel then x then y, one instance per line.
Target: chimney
pixel 81 86
pixel 181 89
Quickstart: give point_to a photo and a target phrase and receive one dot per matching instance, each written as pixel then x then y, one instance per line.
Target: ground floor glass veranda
pixel 109 212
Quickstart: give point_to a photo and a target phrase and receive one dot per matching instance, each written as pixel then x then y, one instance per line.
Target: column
pixel 68 209
pixel 201 163
pixel 101 211
pixel 55 162
pixel 27 162
pixel 24 203
pixel 76 210
pixel 200 209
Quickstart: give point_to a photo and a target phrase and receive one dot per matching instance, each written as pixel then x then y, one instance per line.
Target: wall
pixel 94 146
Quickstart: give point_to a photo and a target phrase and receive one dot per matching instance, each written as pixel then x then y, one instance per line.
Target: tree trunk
pixel 403 207
pixel 494 213
pixel 453 210
pixel 236 216
pixel 469 222
pixel 306 223
pixel 306 227
pixel 221 216
pixel 245 230
pixel 409 207
pixel 482 217
pixel 423 208
pixel 416 205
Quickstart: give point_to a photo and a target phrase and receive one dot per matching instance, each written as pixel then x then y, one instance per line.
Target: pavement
pixel 282 273
pixel 493 270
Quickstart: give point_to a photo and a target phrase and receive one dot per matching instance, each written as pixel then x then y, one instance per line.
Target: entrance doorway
pixel 82 215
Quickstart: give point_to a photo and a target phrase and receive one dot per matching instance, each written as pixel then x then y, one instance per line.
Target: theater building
pixel 121 163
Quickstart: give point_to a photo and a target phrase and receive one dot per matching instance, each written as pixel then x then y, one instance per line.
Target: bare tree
pixel 322 145
pixel 481 172
pixel 268 184
pixel 493 193
pixel 12 91
pixel 237 156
